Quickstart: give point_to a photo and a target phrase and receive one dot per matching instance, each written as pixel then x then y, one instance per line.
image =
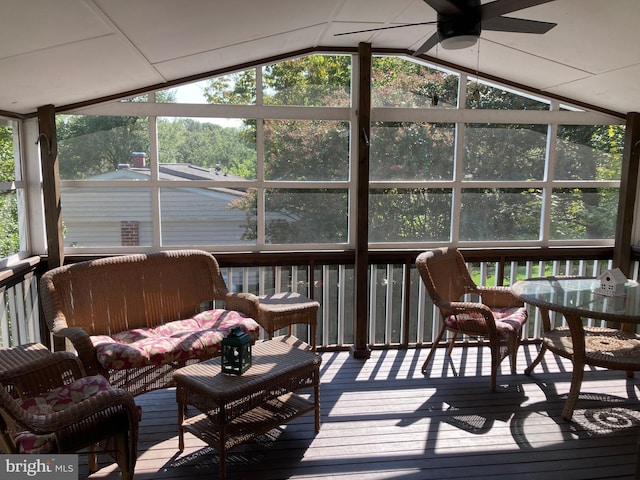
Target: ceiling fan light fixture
pixel 457 31
pixel 459 42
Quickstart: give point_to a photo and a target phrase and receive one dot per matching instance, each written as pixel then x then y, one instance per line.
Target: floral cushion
pixel 192 338
pixel 508 320
pixel 54 401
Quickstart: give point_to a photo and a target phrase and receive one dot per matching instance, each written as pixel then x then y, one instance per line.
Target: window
pixel 12 230
pixel 261 159
pixel 502 179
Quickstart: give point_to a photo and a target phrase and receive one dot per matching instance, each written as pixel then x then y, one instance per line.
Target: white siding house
pixel 119 214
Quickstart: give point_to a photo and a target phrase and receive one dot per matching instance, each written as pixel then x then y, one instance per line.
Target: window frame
pixel 558 114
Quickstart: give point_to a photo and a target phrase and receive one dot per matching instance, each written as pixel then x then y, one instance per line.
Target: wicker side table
pixel 236 409
pixel 286 309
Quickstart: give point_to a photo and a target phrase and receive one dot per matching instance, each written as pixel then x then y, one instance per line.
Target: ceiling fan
pixel 460 22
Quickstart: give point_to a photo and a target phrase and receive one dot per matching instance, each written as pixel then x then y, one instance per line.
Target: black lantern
pixel 236 352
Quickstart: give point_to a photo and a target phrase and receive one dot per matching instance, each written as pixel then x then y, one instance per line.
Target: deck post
pixel 628 190
pixel 360 347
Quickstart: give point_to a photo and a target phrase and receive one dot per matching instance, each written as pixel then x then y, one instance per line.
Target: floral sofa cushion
pixel 192 338
pixel 54 401
pixel 508 320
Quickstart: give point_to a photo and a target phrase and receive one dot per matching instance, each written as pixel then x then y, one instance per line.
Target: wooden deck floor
pixel 383 419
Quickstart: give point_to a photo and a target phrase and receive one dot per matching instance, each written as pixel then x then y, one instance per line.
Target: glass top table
pixel 578 296
pixel 576 299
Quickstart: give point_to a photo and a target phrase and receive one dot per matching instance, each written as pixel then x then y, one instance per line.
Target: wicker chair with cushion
pixel 495 314
pixel 49 406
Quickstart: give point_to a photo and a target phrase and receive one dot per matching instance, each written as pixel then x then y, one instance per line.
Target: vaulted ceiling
pixel 62 52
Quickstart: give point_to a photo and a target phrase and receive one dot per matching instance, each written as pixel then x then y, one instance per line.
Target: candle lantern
pixel 236 352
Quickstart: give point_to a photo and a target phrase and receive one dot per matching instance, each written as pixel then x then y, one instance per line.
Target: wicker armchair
pixel 40 412
pixel 497 315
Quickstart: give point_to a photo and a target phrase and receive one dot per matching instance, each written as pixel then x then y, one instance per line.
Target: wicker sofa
pixel 137 318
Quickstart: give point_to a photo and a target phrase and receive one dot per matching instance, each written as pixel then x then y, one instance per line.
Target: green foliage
pixel 91 145
pixel 9 226
pixel 306 150
pixel 483 96
pixel 412 151
pixel 397 82
pixel 207 145
pixel 234 89
pixel 7 166
pixel 316 80
pixel 297 150
pixel 409 215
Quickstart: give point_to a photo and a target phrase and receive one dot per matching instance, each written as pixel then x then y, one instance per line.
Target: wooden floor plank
pixel 383 419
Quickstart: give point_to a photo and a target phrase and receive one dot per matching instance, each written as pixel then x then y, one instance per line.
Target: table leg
pixel 222 454
pixel 313 334
pixel 546 327
pixel 316 393
pixel 538 359
pixel 578 360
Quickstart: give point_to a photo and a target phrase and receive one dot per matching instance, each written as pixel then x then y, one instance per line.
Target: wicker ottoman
pixel 236 409
pixel 286 309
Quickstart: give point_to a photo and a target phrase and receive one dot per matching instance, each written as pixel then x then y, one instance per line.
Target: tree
pixel 413 151
pixel 297 150
pixel 9 226
pixel 91 145
pixel 208 145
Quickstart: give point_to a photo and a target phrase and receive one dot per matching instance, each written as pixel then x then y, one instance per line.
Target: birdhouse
pixel 612 283
pixel 236 352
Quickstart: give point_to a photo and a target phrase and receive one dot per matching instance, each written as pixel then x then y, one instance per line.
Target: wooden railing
pixel 20 320
pixel 400 312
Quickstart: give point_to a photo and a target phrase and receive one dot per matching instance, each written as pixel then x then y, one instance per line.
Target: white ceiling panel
pixel 606 89
pixel 368 11
pixel 591 35
pixel 167 29
pixel 101 66
pixel 65 51
pixel 498 60
pixel 32 25
pixel 247 51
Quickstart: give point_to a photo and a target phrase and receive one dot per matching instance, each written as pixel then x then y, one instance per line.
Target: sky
pixel 192 93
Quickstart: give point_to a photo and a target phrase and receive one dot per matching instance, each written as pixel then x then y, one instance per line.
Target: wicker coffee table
pixel 236 409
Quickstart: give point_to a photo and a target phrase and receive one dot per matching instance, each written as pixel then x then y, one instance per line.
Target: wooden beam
pixel 361 348
pixel 628 193
pixel 50 184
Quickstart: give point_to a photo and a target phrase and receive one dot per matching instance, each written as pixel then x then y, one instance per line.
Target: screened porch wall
pixel 400 312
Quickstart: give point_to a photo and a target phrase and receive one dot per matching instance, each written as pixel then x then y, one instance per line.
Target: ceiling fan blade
pixel 507 24
pixel 428 45
pixel 443 6
pixel 500 7
pixel 384 28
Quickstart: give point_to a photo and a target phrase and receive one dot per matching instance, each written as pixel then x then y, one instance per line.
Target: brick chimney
pixel 129 233
pixel 139 159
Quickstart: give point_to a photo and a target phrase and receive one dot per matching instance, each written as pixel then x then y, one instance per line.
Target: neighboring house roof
pixel 169 171
pixel 186 171
pixel 176 171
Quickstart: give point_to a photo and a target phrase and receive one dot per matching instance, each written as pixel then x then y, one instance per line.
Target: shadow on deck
pixel 383 419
